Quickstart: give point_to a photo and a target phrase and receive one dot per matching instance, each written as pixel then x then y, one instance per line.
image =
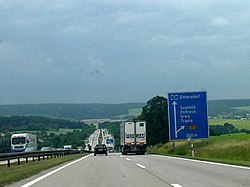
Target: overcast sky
pixel 116 51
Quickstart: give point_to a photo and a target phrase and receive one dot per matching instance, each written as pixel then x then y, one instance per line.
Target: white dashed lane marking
pixel 176 185
pixel 141 166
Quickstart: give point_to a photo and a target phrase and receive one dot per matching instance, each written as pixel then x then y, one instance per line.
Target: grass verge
pixel 230 149
pixel 16 173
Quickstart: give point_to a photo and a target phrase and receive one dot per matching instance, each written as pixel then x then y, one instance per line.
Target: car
pixel 30 149
pixel 46 149
pixel 101 149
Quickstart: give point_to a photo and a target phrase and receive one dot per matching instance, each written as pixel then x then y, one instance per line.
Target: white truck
pixel 24 142
pixel 133 137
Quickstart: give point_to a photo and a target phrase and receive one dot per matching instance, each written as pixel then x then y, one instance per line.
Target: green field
pixel 135 111
pixel 131 112
pixel 245 108
pixel 239 124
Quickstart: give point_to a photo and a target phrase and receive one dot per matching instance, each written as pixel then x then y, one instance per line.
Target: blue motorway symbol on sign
pixel 187 114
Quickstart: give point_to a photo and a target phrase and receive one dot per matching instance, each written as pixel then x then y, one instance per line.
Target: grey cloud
pixel 219 21
pixel 91 51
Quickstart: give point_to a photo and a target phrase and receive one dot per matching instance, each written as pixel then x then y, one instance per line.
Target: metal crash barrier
pixel 37 155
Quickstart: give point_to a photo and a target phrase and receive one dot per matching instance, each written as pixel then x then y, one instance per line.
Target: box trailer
pixel 133 137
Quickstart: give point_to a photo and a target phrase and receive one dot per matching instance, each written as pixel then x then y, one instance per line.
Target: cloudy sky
pixel 116 51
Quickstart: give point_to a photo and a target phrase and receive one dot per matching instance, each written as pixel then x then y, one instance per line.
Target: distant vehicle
pixel 80 149
pixel 100 149
pixel 89 147
pixel 110 143
pixel 46 149
pixel 67 147
pixel 24 142
pixel 133 137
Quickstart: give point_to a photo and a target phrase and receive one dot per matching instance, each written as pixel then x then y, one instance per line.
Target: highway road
pixel 93 139
pixel 140 170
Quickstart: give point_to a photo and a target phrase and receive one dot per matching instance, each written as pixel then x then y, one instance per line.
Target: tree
pixel 155 113
pixel 4 143
pixel 217 130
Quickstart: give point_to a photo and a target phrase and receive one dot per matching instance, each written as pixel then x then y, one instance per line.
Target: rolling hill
pixel 111 111
pixel 70 111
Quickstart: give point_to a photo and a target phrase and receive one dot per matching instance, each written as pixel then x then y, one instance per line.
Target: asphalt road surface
pixel 140 170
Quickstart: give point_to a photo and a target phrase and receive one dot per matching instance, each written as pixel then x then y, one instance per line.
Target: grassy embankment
pixel 16 173
pixel 231 149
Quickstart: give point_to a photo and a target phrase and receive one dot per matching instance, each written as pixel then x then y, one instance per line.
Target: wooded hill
pixel 100 111
pixel 70 111
pixel 216 107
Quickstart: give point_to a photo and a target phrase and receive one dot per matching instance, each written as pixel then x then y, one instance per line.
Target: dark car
pixel 101 149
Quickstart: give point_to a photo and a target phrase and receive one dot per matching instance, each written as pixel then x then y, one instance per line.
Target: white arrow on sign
pixel 182 128
pixel 175 121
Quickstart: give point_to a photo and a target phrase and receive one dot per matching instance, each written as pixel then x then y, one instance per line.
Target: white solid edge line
pixel 52 172
pixel 176 185
pixel 141 166
pixel 205 162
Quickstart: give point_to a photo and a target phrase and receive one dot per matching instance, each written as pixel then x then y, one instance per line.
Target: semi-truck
pixel 24 142
pixel 133 137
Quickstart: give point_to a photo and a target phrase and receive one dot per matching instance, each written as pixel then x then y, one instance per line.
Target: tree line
pixel 32 123
pixel 41 126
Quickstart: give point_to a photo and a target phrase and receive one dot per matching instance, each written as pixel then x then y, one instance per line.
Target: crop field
pixel 245 108
pixel 135 111
pixel 239 124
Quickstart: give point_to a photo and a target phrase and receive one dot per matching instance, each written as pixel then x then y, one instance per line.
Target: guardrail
pixel 35 155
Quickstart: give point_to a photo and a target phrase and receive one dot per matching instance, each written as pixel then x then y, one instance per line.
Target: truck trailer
pixel 133 137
